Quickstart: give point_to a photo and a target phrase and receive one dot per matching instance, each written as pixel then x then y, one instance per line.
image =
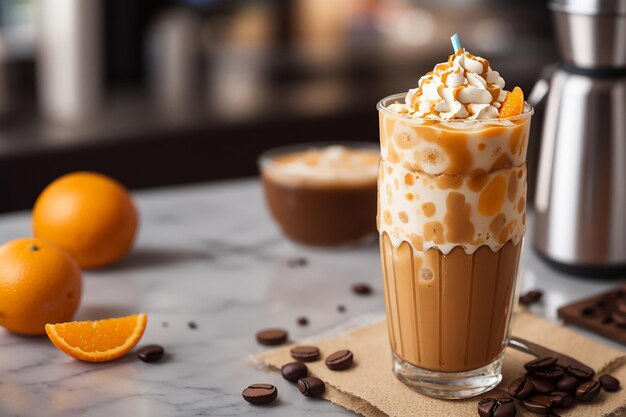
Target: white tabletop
pixel 209 254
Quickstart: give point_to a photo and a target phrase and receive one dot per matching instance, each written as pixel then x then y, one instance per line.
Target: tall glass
pixel 451 217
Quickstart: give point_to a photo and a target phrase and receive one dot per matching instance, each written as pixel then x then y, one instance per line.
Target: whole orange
pixel 90 215
pixel 39 283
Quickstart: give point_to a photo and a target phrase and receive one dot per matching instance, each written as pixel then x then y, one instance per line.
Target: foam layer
pixel 464 87
pixel 332 165
pixel 456 148
pixel 445 211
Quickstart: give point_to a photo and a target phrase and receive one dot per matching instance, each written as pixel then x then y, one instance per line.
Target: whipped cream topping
pixel 464 87
pixel 325 166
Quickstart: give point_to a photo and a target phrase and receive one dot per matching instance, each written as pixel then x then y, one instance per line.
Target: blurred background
pixel 156 92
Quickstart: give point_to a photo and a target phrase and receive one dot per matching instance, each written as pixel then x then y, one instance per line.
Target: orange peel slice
pixel 99 340
pixel 513 104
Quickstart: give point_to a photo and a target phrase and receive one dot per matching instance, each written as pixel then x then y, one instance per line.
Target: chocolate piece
pixel 553 374
pixel 305 353
pixel 260 394
pixel 531 297
pixel 587 391
pixel 562 399
pixel 609 383
pixel 311 386
pixel 302 321
pixel 361 289
pixel 540 364
pixel 581 372
pixel 151 353
pixel 607 313
pixel 543 387
pixel 521 388
pixel 568 384
pixel 492 407
pixel 538 404
pixel 271 337
pixel 340 360
pixel 294 371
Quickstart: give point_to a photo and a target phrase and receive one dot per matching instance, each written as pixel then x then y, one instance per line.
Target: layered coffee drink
pixel 451 217
pixel 322 196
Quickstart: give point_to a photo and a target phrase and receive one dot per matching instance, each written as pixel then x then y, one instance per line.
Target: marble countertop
pixel 209 254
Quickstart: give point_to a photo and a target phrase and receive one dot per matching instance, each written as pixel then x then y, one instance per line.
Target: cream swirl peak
pixel 464 87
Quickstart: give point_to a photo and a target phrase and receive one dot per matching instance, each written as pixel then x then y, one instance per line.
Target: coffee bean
pixel 543 387
pixel 540 364
pixel 305 353
pixel 340 360
pixel 260 393
pixel 361 289
pixel 294 371
pixel 568 384
pixel 302 321
pixel 271 337
pixel 341 308
pixel 192 325
pixel 619 318
pixel 150 353
pixel 538 404
pixel 531 297
pixel 521 388
pixel 562 399
pixel 553 374
pixel 492 407
pixel 587 391
pixel 297 262
pixel 609 383
pixel 582 372
pixel 311 386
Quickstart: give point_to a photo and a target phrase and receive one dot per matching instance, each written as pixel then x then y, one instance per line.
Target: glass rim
pixel 381 106
pixel 266 156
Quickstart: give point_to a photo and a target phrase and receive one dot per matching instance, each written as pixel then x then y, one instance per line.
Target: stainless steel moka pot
pixel 580 200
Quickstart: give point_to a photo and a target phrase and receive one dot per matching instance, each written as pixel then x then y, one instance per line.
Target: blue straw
pixel 456 43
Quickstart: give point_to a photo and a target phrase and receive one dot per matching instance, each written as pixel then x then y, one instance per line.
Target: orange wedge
pixel 100 340
pixel 513 104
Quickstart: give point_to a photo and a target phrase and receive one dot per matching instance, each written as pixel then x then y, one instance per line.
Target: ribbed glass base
pixel 449 385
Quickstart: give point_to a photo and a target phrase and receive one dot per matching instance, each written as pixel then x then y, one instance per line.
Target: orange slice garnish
pixel 513 104
pixel 100 340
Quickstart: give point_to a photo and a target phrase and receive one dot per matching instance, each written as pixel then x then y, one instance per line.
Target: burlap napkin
pixel 370 388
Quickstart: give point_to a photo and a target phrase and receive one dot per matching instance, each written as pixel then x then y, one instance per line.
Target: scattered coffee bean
pixel 619 318
pixel 294 371
pixel 271 337
pixel 553 374
pixel 543 387
pixel 311 386
pixel 581 372
pixel 540 364
pixel 297 262
pixel 538 404
pixel 192 325
pixel 303 321
pixel 609 383
pixel 305 353
pixel 531 297
pixel 587 391
pixel 165 325
pixel 521 388
pixel 340 360
pixel 568 384
pixel 341 308
pixel 562 399
pixel 150 353
pixel 492 407
pixel 361 289
pixel 260 393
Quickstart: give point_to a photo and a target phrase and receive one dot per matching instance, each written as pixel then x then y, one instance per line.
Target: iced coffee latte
pixel 451 217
